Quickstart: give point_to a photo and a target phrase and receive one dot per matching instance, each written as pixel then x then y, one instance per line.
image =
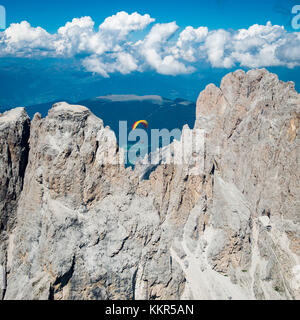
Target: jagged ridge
pixel 85 230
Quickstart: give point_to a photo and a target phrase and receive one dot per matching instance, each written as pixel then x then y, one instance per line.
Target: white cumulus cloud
pixel 22 39
pixel 125 23
pixel 158 54
pixel 112 46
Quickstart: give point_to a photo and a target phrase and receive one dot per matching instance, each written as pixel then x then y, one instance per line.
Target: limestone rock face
pixel 85 233
pixel 14 149
pixel 252 137
pixel 225 226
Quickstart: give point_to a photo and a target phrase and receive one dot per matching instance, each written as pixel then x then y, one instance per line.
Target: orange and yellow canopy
pixel 144 122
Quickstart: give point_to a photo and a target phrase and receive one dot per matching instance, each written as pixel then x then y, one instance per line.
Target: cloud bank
pixel 126 43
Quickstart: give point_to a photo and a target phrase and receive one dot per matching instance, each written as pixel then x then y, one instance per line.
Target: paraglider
pixel 143 122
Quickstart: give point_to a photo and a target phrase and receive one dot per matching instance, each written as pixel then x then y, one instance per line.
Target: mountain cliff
pixel 74 226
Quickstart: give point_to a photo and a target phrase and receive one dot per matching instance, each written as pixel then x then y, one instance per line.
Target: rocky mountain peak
pixel 74 226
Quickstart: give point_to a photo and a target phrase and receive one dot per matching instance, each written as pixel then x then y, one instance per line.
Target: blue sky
pixel 213 14
pixel 79 49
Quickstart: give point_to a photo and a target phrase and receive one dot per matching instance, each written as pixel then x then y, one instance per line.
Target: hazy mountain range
pixel 27 82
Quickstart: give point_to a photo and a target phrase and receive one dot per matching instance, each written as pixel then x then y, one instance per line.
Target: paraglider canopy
pixel 143 122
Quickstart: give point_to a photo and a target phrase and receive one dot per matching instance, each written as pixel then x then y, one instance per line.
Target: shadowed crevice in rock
pixel 25 150
pixel 134 283
pixel 61 281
